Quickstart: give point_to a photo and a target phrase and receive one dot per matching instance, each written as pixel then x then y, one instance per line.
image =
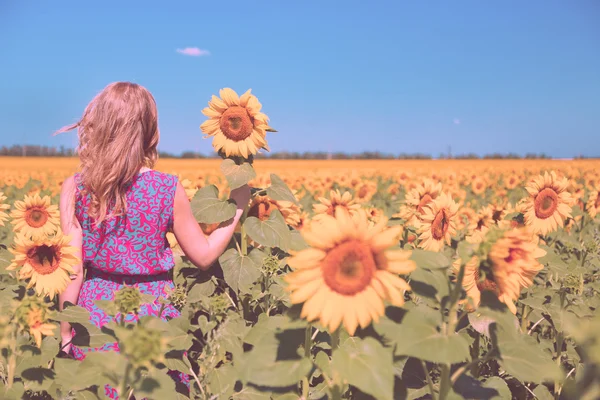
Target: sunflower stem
pixel 429 381
pixel 445 382
pixel 12 360
pixel 123 388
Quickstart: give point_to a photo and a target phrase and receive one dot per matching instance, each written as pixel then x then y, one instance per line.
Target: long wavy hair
pixel 118 135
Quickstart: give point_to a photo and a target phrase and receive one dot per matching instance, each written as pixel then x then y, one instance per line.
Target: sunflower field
pixel 432 279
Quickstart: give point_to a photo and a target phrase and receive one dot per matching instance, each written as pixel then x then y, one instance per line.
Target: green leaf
pixel 88 335
pixel 49 350
pixel 209 209
pixel 237 175
pixel 431 284
pixel 430 259
pixel 500 386
pixel 367 365
pixel 542 393
pixel 523 358
pixel 73 314
pixel 280 191
pixel 420 337
pixel 200 289
pixel 250 393
pixel 273 232
pixel 240 271
pixel 71 376
pixel 38 378
pixel 274 361
pixel 221 381
pixel 156 385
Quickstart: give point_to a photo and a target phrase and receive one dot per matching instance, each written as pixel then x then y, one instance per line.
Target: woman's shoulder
pixel 163 177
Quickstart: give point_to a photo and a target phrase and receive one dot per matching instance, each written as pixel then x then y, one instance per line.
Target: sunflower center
pixel 546 202
pixel 36 217
pixel 424 201
pixel 363 191
pixel 440 225
pixel 480 224
pixel 514 254
pixel 44 259
pixel 349 267
pixel 597 203
pixel 496 215
pixel 262 210
pixel 236 124
pixel 486 284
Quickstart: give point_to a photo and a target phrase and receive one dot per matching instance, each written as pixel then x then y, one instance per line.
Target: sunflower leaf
pixel 237 175
pixel 273 232
pixel 240 271
pixel 430 259
pixel 367 365
pixel 421 338
pixel 209 209
pixel 280 191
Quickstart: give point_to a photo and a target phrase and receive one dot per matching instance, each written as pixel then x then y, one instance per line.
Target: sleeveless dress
pixel 132 250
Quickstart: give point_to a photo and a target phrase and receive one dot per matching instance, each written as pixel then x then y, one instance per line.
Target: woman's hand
pixel 241 196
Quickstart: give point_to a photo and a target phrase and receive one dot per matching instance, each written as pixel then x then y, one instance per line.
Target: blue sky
pixel 394 76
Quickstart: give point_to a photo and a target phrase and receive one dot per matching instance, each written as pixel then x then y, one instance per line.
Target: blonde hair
pixel 118 134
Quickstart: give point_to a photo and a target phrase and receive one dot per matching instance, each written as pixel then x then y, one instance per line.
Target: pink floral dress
pixel 131 250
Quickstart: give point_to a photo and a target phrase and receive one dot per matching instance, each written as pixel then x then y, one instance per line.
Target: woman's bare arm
pixel 201 251
pixel 70 226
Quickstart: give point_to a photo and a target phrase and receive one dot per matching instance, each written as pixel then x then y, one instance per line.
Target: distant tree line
pixel 62 151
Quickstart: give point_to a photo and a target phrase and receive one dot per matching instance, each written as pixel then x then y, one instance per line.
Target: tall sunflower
pixel 474 285
pixel 548 204
pixel 593 203
pixel 48 263
pixel 35 217
pixel 261 207
pixel 479 226
pixel 3 208
pixel 514 261
pixel 349 271
pixel 32 317
pixel 417 199
pixel 438 223
pixel 327 206
pixel 236 124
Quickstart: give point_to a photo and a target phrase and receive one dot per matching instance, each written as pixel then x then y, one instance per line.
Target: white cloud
pixel 193 51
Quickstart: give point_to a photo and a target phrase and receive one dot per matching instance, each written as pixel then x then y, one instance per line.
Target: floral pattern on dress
pixel 131 250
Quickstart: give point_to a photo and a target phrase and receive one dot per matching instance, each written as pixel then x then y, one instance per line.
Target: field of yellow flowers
pixel 436 279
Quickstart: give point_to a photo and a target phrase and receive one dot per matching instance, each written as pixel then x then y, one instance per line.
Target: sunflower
pixel 593 203
pixel 336 199
pixel 549 203
pixel 514 261
pixel 474 285
pixel 512 181
pixel 364 191
pixel 438 223
pixel 236 124
pixel 479 226
pixel 35 217
pixel 48 263
pixel 261 207
pixel 3 208
pixel 478 186
pixel 417 199
pixel 349 270
pixel 32 316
